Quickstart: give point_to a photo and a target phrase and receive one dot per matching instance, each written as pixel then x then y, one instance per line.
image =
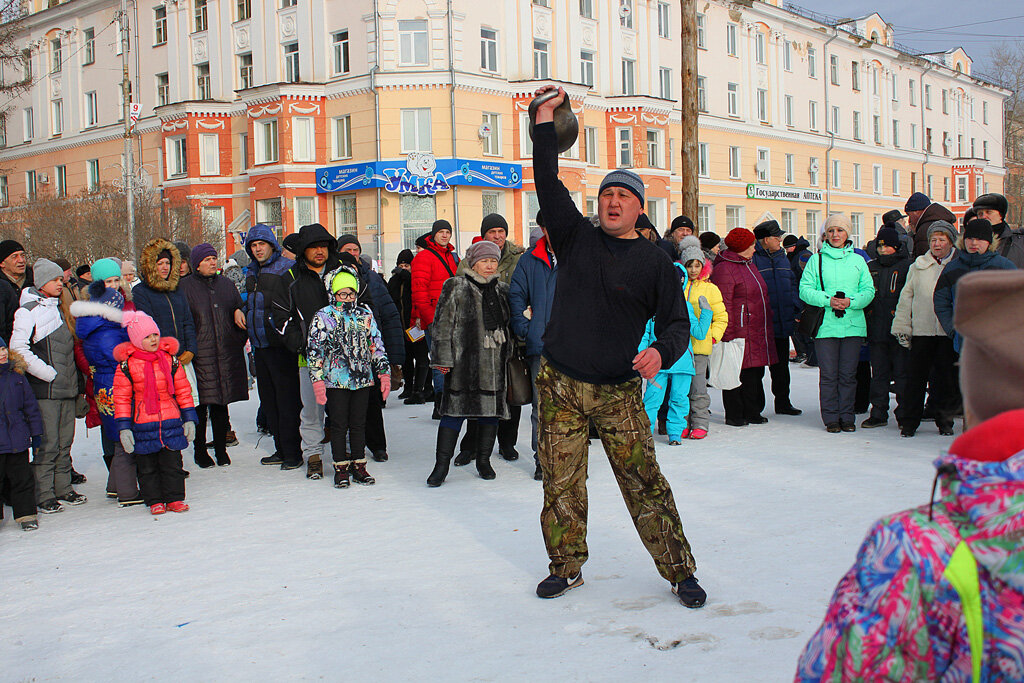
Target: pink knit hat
pixel 139 326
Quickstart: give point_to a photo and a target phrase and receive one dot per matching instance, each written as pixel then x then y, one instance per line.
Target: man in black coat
pixel 993 207
pixel 888 359
pixel 772 262
pixel 417 362
pixel 374 292
pixel 15 275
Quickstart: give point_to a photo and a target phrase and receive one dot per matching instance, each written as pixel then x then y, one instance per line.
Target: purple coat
pixel 19 411
pixel 750 312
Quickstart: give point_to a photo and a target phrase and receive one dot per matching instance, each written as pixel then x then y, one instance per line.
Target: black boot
pixel 203 459
pixel 485 436
pixel 467 449
pixel 446 440
pixel 437 407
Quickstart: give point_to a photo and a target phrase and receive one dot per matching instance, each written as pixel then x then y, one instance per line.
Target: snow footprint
pixel 706 640
pixel 773 633
pixel 637 605
pixel 738 609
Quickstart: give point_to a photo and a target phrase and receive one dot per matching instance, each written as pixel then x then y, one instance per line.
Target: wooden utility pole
pixel 688 102
pixel 129 161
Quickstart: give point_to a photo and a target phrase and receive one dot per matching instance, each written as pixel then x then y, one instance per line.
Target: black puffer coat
pixel 219 361
pixel 889 274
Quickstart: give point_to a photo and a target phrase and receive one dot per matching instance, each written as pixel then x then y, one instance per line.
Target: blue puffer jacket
pixel 19 411
pixel 99 329
pixel 533 285
pixel 699 328
pixel 268 305
pixel 783 288
pixel 161 299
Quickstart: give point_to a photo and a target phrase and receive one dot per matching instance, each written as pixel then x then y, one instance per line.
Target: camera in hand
pixel 840 314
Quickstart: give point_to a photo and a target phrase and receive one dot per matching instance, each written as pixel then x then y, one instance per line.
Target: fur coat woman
pixel 162 300
pixel 471 336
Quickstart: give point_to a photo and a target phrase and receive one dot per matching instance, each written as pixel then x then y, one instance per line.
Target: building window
pixel 587 68
pixel 833 68
pixel 89 46
pixel 856 177
pixel 812 115
pixel 856 125
pixel 876 179
pixel 788 109
pixel 626 13
pixel 265 141
pixel 540 59
pixel 163 89
pixel 836 174
pixel 3 132
pixel 790 167
pixel 416 130
pixel 945 189
pixel 291 63
pixel 268 211
pixel 244 9
pixel 733 90
pixel 788 221
pixel 705 220
pixel 877 127
pixel 590 143
pixel 203 90
pixel 243 149
pixel 787 55
pixel 855 75
pixel 812 64
pixel 200 15
pixel 734 162
pixel 702 21
pixel 927 96
pixel 587 9
pixel 245 71
pixel 928 140
pixel 91 111
pixel 56 117
pixel 730 40
pixel 56 61
pixel 733 217
pixel 984 149
pixel 177 158
pixel 625 139
pixel 857 227
pixel 305 210
pixel 209 154
pixel 874 81
pixel 703 160
pixel 984 113
pixel 812 171
pixel 289 3
pixel 664 20
pixel 813 221
pixel 30 185
pixel 159 25
pixel 759 50
pixel 3 191
pixel 412 42
pixel 835 121
pixel 762 105
pixel 417 214
pixel 896 181
pixel 702 93
pixel 342 148
pixel 492 140
pixel 628 77
pixel 60 176
pixel 665 83
pixel 488 50
pixel 303 139
pixel 895 133
pixel 92 175
pixel 654 159
pixel 945 101
pixel 912 91
pixel 30 124
pixel 895 89
pixel 339 51
pixel 764 165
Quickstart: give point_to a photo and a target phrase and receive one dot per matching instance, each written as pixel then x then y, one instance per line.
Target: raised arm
pixel 561 217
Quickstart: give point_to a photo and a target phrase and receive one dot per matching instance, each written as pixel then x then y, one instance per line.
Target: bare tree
pixel 1007 68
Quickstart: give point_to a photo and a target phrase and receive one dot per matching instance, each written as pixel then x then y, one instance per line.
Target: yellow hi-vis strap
pixel 962 573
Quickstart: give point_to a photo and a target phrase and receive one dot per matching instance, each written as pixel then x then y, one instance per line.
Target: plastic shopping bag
pixel 725 364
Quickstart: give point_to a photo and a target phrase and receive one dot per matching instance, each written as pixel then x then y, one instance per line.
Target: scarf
pixel 149 393
pixel 493 316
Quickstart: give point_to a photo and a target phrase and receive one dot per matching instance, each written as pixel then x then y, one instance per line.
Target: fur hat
pixel 478 251
pixel 992 200
pixel 45 270
pixel 624 179
pixel 979 229
pixel 139 326
pixel 491 221
pixel 739 239
pixel 104 268
pixel 691 250
pixel 945 228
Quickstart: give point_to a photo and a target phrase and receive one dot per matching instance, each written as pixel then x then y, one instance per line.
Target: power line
pixel 911 29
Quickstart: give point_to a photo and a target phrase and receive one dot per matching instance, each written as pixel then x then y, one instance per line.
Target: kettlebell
pixel 567 127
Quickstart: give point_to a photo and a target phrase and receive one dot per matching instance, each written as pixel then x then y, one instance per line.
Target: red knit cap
pixel 739 239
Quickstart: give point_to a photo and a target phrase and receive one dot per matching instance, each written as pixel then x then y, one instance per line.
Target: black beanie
pixel 493 220
pixel 709 240
pixel 887 236
pixel 682 222
pixel 349 239
pixel 82 270
pixel 644 223
pixel 789 241
pixel 979 229
pixel 404 256
pixel 8 247
pixel 439 224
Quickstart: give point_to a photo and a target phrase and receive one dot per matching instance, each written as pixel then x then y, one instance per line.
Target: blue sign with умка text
pixel 420 174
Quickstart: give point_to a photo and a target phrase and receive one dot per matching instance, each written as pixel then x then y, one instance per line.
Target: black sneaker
pixel 130 502
pixel 833 428
pixel 50 506
pixel 945 430
pixel 554 586
pixel 291 465
pixel 873 422
pixel 73 498
pixel 736 423
pixel 690 593
pixel 848 426
pixel 380 456
pixel 223 460
pixel 788 410
pixel 77 478
pixel 759 420
pixel 204 460
pixel 30 525
pixel 274 459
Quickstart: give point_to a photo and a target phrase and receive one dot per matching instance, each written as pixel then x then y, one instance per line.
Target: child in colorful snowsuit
pixel 20 426
pixel 344 353
pixel 153 408
pixel 700 293
pixel 677 378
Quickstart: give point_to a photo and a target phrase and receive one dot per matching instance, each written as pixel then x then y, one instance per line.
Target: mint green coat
pixel 843 270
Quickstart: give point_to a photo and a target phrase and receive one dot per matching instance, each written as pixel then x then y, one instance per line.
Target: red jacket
pixel 746 301
pixel 428 276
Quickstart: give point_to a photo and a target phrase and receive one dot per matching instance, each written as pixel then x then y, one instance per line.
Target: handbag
pixel 725 364
pixel 812 317
pixel 518 384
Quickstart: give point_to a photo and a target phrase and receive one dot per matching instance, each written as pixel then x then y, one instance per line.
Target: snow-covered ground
pixel 274 577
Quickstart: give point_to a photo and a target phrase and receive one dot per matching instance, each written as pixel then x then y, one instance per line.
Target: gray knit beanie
pixel 626 179
pixel 691 250
pixel 45 270
pixel 944 227
pixel 481 250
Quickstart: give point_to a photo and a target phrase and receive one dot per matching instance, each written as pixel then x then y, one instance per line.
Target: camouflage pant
pixel 566 406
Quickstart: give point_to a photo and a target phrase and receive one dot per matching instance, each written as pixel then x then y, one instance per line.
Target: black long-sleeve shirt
pixel 607 288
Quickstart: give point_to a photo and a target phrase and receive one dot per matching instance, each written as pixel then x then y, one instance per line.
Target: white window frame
pixel 665 83
pixel 812 62
pixel 209 154
pixel 856 126
pixel 489 49
pixel 702 21
pixel 200 16
pixel 91 110
pixel 56 117
pixel 624 147
pixel 703 160
pixel 177 157
pixel 876 178
pixel 245 71
pixel 263 207
pixel 266 148
pixel 341 62
pixel 790 169
pixel 655 149
pixel 416 127
pixel 833 69
pixel 492 142
pixel 341 141
pixel 297 210
pixel 812 175
pixel 731 40
pixel 812 115
pixel 29 123
pixel 787 56
pixel 303 138
pixel 732 93
pixel 92 175
pixel 60 181
pixel 735 217
pixel 788 110
pixel 541 59
pixel 587 68
pixel 896 182
pixel 163 89
pixel 628 76
pixel 735 162
pixel 290 55
pixel 760 50
pixel 856 177
pixel 413 43
pixel 204 84
pixel 159 26
pixel 895 133
pixel 762 105
pixel 89 46
pixel 664 20
pixel 31 188
pixel 702 94
pixel 836 115
pixel 764 154
pixel 837 174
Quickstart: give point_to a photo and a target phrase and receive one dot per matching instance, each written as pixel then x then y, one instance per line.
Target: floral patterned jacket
pixel 897 615
pixel 345 349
